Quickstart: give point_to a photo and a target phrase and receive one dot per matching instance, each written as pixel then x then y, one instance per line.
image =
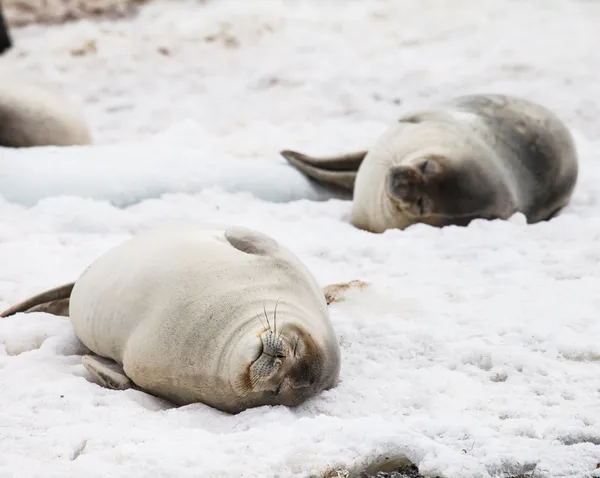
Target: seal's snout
pixel 272 345
pixel 403 181
pixel 304 374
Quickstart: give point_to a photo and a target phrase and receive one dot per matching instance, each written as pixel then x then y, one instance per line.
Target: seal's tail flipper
pixel 54 301
pixel 337 171
pixel 106 372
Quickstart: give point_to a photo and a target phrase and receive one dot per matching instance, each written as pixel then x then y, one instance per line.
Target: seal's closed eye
pixel 432 165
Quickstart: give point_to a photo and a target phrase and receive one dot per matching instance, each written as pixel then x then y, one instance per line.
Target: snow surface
pixel 475 351
pixel 149 172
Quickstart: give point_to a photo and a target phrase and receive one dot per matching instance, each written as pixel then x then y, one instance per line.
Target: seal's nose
pixel 303 376
pixel 272 345
pixel 401 182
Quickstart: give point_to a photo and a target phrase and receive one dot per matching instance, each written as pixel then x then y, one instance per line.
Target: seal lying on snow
pixel 33 116
pixel 476 156
pixel 229 318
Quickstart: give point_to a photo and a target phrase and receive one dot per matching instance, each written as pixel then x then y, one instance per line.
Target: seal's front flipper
pixel 339 171
pixel 106 372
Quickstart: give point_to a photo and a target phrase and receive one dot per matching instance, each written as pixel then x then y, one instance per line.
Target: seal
pixel 226 317
pixel 31 115
pixel 484 156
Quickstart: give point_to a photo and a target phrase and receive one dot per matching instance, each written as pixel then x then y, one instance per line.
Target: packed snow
pixel 147 173
pixel 474 351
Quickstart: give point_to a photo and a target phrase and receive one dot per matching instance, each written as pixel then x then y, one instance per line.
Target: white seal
pixel 31 115
pixel 473 157
pixel 229 318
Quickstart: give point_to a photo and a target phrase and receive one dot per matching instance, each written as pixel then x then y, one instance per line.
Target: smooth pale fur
pixel 189 314
pixel 31 115
pixel 476 156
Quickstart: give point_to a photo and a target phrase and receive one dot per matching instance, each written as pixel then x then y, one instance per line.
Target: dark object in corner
pixel 5 40
pixel 410 471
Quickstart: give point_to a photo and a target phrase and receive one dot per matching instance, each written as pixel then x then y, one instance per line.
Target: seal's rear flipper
pixel 54 301
pixel 58 307
pixel 106 372
pixel 339 171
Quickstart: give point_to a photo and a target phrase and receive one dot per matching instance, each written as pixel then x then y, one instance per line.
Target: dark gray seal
pixel 472 157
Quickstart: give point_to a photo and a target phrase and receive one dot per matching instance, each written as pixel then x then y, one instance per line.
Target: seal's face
pixel 435 191
pixel 290 367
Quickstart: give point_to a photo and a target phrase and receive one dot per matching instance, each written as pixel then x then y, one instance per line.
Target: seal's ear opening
pixel 333 171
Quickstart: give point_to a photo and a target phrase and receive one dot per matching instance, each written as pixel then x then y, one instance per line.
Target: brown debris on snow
pixel 336 292
pixel 19 13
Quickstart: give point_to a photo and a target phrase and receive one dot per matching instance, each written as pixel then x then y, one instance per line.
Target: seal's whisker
pixel 275 318
pixel 261 321
pixel 266 316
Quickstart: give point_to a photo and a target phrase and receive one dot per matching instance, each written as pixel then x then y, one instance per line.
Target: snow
pixel 147 173
pixel 474 351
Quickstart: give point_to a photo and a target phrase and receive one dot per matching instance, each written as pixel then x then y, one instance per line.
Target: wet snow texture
pixel 474 351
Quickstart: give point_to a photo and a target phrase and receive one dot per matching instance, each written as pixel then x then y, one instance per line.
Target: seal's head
pixel 288 366
pixel 290 357
pixel 435 190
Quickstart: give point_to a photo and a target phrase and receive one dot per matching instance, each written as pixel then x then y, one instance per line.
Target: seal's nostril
pixel 277 391
pixel 399 183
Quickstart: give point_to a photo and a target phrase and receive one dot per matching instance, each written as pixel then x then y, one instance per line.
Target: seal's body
pixel 229 318
pixel 477 156
pixel 34 116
